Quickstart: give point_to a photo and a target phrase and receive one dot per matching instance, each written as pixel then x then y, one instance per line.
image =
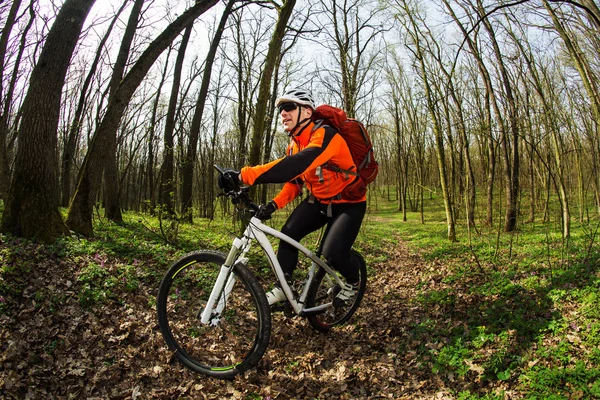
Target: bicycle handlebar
pixel 240 193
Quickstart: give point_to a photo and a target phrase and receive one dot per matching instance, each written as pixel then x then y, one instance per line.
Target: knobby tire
pixel 241 336
pixel 323 290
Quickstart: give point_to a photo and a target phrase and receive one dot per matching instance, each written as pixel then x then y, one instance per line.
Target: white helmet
pixel 295 95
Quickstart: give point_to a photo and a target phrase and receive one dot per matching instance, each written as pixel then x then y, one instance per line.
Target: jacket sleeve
pixel 321 147
pixel 288 192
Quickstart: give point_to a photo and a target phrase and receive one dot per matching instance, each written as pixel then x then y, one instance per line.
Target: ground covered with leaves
pixel 78 320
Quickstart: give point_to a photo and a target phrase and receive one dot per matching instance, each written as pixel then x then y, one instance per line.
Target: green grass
pixel 532 315
pixel 519 308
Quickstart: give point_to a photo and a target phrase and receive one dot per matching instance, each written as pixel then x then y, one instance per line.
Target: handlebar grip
pixel 243 195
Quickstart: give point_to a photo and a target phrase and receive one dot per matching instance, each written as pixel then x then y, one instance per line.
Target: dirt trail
pixel 51 348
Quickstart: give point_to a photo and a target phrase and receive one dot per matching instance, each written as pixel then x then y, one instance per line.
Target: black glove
pixel 229 180
pixel 265 210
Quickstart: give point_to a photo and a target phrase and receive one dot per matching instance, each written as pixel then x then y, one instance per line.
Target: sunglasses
pixel 287 107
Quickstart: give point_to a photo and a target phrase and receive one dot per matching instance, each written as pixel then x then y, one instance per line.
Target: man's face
pixel 291 113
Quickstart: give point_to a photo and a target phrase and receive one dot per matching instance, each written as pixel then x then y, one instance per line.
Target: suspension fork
pixel 224 283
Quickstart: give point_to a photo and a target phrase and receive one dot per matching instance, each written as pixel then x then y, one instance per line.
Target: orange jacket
pixel 304 162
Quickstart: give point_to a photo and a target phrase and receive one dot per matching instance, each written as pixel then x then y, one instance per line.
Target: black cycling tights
pixel 344 225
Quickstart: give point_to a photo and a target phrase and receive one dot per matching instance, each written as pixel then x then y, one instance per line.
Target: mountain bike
pixel 213 312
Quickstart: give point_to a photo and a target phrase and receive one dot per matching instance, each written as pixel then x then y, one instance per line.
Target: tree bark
pixel 466 186
pixel 243 92
pixel 491 162
pixel 79 218
pixel 511 156
pixel 209 193
pixel 549 123
pixel 168 169
pixel 190 156
pixel 112 208
pixel 592 8
pixel 270 129
pixel 436 126
pixel 5 110
pixel 73 136
pixel 491 100
pixel 587 77
pixel 148 187
pixel 264 90
pixel 31 209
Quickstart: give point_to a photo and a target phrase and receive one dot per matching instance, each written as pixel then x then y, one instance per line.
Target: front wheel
pixel 323 290
pixel 236 336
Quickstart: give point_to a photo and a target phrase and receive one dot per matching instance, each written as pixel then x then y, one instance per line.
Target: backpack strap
pixel 328 213
pixel 369 149
pixel 318 123
pixel 367 160
pixel 335 168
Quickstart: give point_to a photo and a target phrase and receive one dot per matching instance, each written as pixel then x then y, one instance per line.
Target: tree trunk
pixel 209 194
pixel 580 179
pixel 511 153
pixel 79 218
pixel 593 12
pixel 4 162
pixel 491 102
pixel 437 130
pixel 532 202
pixel 549 123
pixel 31 209
pixel 264 91
pixel 190 156
pixel 583 68
pixel 243 95
pixel 401 178
pixel 466 186
pixel 271 129
pixel 7 138
pixel 73 136
pixel 168 170
pixel 148 187
pixel 111 176
pixel 491 165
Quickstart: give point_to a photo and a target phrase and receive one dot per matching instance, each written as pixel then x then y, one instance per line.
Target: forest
pixel 481 229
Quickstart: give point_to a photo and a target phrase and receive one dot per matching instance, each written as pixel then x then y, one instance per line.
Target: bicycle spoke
pixel 233 339
pixel 324 289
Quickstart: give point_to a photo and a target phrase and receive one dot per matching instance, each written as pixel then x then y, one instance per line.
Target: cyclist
pixel 312 148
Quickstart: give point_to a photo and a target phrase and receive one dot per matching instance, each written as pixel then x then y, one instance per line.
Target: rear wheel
pixel 234 339
pixel 323 290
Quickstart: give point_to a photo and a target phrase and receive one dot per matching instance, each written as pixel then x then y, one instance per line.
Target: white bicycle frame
pixel 258 231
